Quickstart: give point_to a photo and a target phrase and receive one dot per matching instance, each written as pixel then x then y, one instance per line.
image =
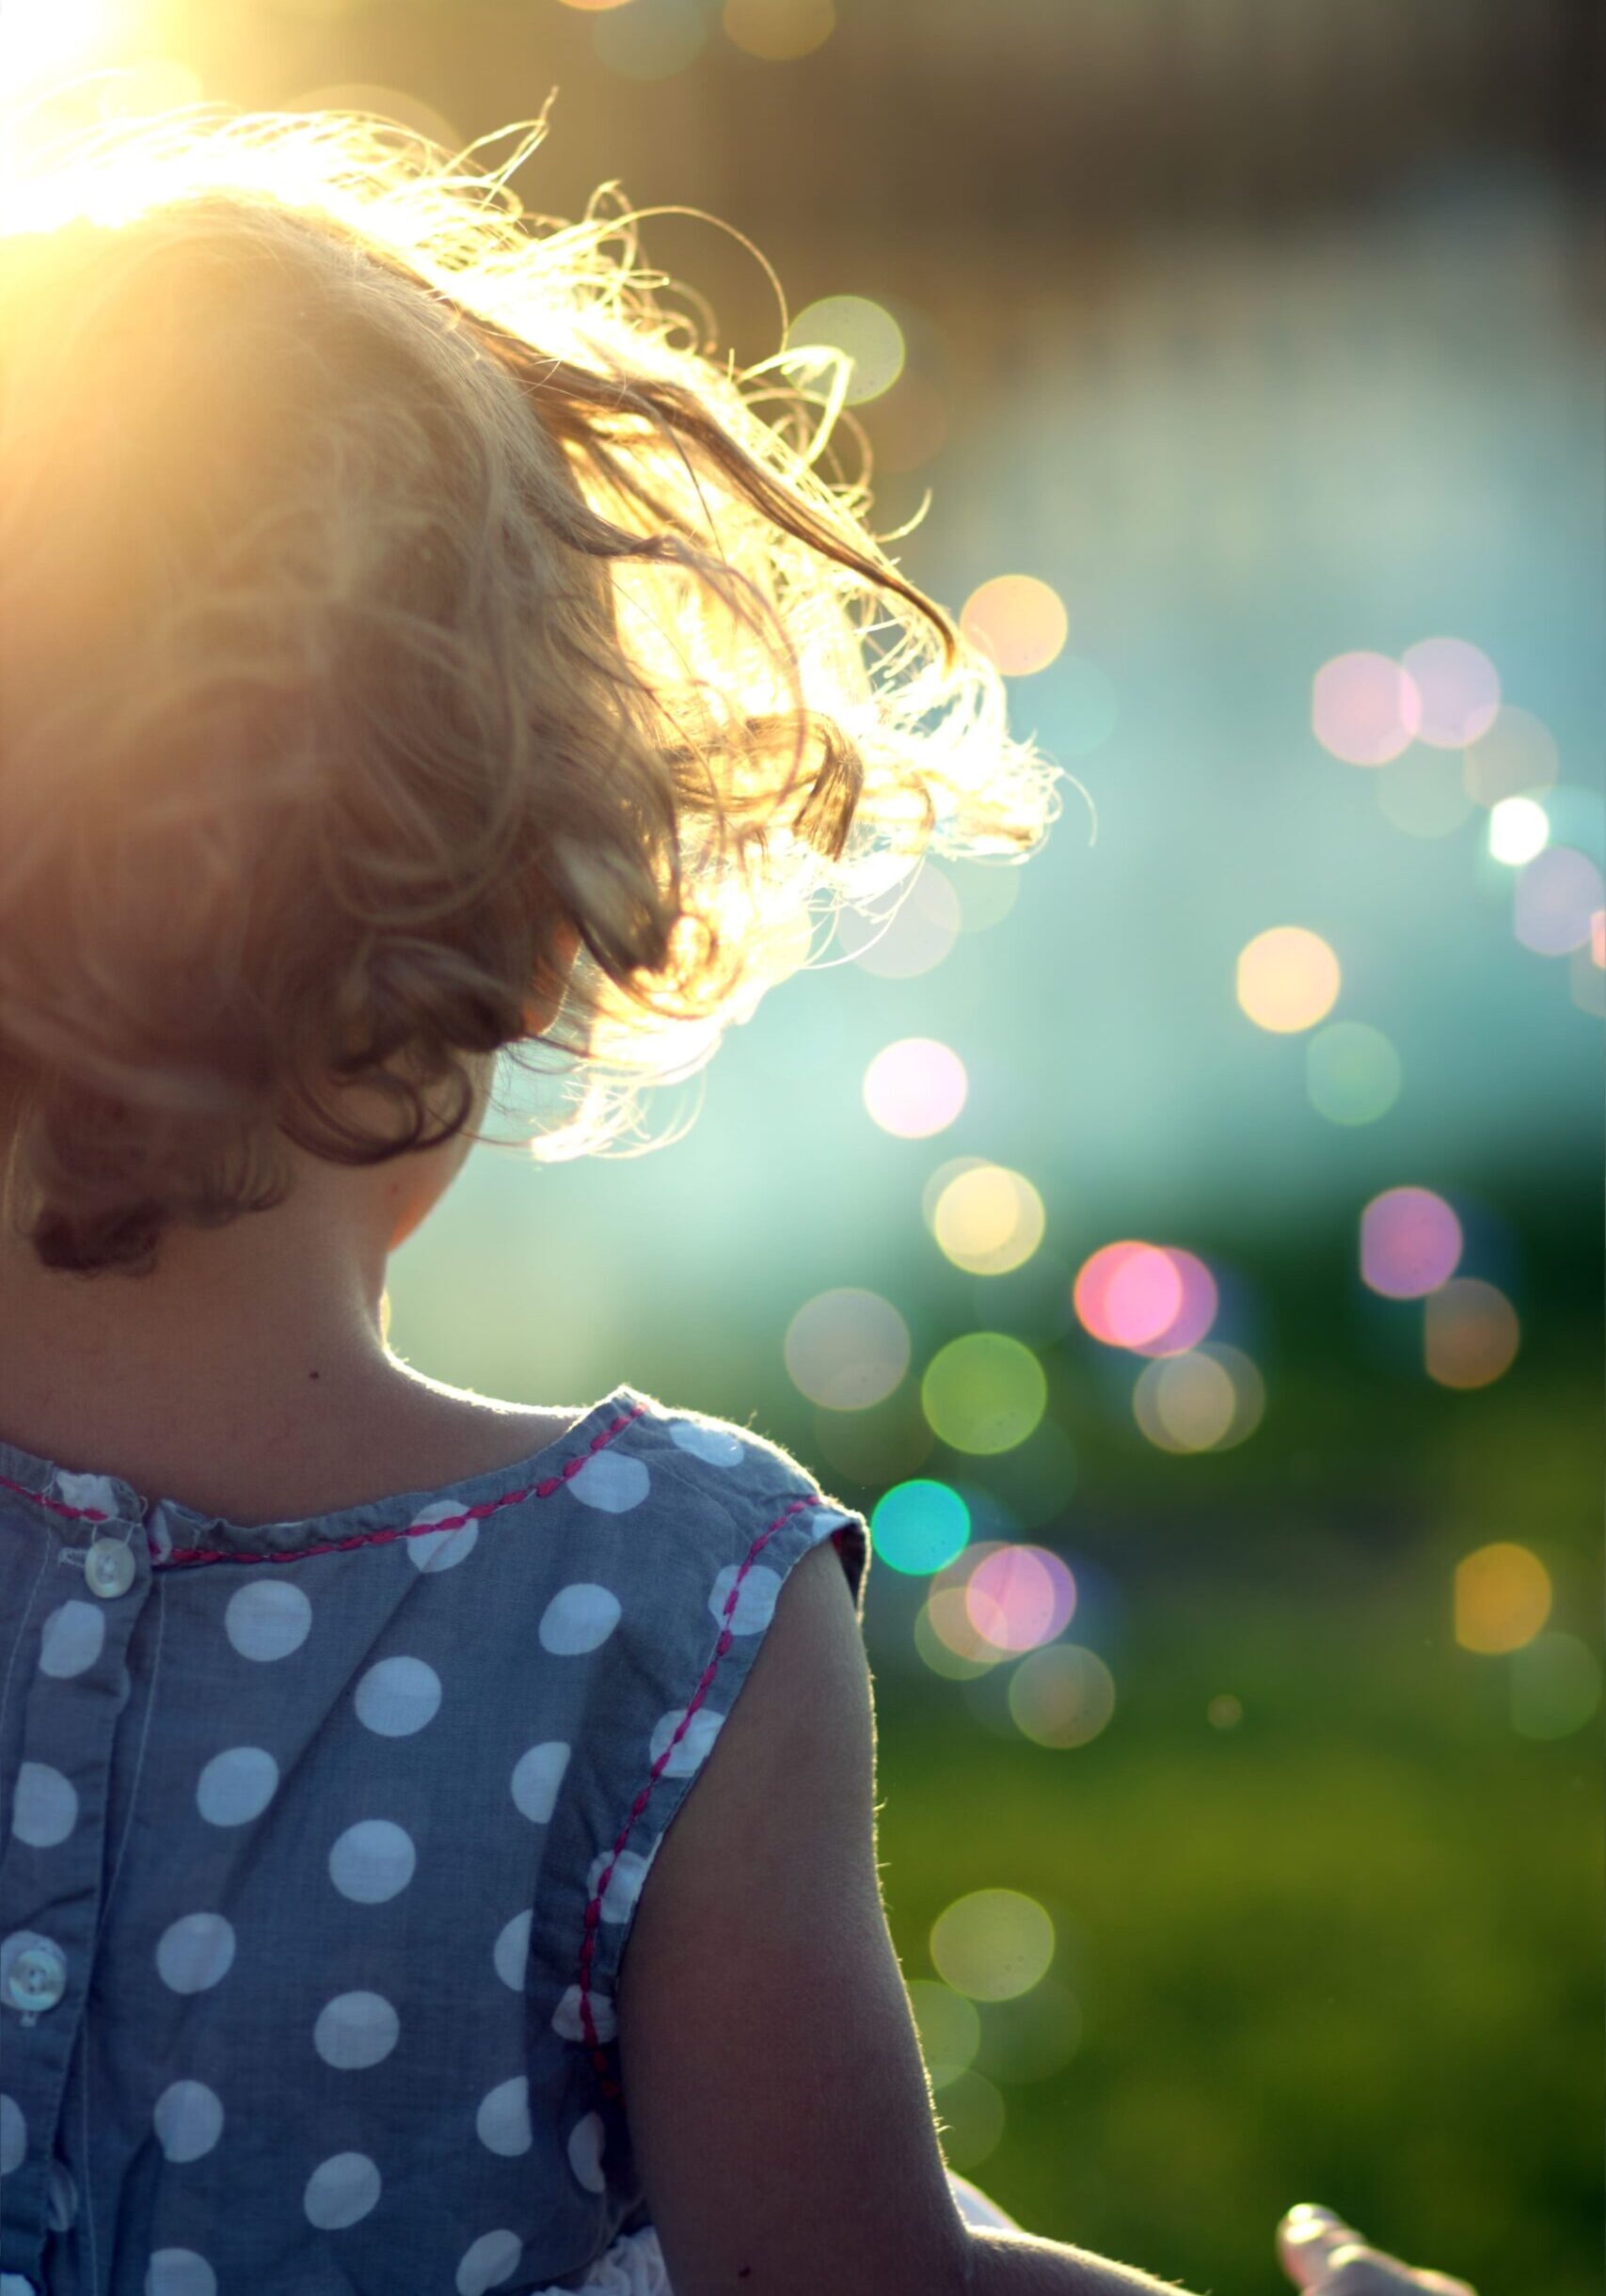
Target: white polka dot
pixel 373 1861
pixel 624 1882
pixel 267 1618
pixel 179 2272
pixel 188 2120
pixel 13 2135
pixel 397 1696
pixel 71 1639
pixel 439 1550
pixel 511 1952
pixel 537 1777
pixel 237 1785
pixel 355 2031
pixel 714 1446
pixel 14 2284
pixel 502 2122
pixel 61 2198
pixel 568 2025
pixel 585 2152
pixel 827 1519
pixel 610 1481
pixel 93 1493
pixel 44 1806
pixel 756 1598
pixel 577 1619
pixel 694 1747
pixel 194 1953
pixel 489 2262
pixel 341 2191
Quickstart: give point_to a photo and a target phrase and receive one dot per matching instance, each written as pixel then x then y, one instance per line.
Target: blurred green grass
pixel 1346 1951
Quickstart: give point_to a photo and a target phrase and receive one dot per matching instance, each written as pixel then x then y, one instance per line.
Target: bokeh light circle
pixel 1503 1597
pixel 993 1945
pixel 1457 688
pixel 1198 1300
pixel 920 1526
pixel 903 942
pixel 938 1182
pixel 1185 1402
pixel 987 1220
pixel 1519 828
pixel 1288 980
pixel 1020 1597
pixel 778 31
pixel 984 1392
pixel 1558 894
pixel 847 1348
pixel 1211 1399
pixel 1516 756
pixel 1352 1072
pixel 1064 1696
pixel 1128 1293
pixel 1555 1686
pixel 1364 708
pixel 1019 622
pixel 863 331
pixel 914 1087
pixel 1410 1243
pixel 1471 1334
pixel 946 1639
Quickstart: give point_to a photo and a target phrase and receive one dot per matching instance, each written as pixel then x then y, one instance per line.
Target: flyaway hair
pixel 395 598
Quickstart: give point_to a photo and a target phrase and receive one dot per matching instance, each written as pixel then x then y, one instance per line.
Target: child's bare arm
pixel 777 2099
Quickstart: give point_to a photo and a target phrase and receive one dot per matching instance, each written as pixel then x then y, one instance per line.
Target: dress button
pixel 36 1978
pixel 108 1568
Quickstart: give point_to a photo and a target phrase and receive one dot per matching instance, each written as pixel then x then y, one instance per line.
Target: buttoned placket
pixel 51 1892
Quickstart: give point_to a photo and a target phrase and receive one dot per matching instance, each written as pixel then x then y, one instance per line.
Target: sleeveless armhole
pixel 732 1516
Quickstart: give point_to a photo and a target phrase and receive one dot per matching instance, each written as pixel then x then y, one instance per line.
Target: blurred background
pixel 1185 1249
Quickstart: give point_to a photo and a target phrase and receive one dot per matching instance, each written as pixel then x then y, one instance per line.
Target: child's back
pixel 327 1836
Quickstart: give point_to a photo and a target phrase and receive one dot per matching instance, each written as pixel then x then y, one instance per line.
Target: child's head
pixel 411 647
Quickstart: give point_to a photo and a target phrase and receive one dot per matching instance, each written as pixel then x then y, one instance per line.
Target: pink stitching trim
pixel 417 1530
pixel 57 1506
pixel 593 1909
pixel 192 1555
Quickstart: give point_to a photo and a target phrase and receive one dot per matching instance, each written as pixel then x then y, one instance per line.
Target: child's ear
pixel 547 993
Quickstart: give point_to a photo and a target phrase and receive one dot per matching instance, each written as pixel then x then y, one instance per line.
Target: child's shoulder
pixel 746 1489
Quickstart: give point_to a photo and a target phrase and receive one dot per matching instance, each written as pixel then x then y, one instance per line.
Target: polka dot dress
pixel 346 1821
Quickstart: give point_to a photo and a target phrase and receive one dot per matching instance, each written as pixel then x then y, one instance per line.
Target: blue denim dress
pixel 320 1843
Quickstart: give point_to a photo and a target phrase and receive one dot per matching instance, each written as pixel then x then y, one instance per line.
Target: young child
pixel 417 652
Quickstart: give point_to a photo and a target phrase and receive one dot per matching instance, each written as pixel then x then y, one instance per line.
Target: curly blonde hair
pixel 406 621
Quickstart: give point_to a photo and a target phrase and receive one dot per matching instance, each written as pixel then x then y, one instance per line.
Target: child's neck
pixel 247 1375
